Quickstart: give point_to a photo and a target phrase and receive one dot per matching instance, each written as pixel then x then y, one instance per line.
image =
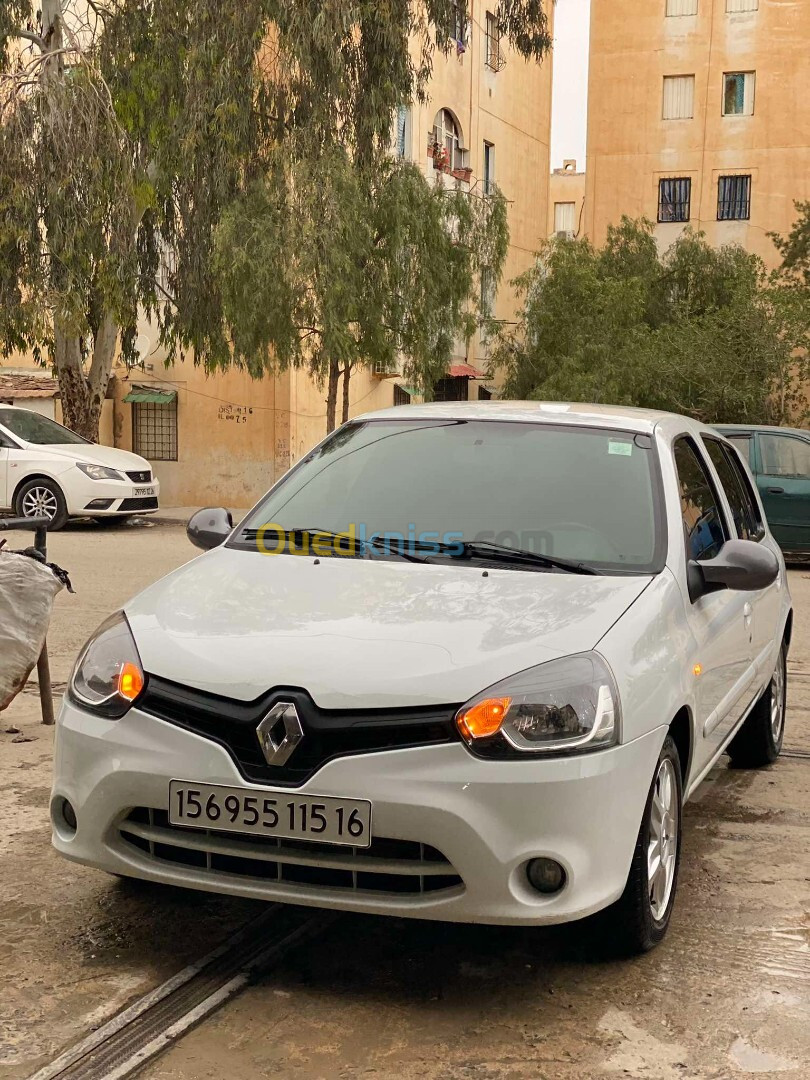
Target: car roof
pixel 763 427
pixel 643 421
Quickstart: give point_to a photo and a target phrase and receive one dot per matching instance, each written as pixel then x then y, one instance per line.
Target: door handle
pixel 776 491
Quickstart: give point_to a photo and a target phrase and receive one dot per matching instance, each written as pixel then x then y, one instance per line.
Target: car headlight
pixel 98 472
pixel 565 706
pixel 108 677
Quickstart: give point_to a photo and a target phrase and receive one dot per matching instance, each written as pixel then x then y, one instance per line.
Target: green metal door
pixel 782 465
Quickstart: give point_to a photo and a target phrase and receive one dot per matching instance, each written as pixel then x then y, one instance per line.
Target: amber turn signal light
pixel 130 681
pixel 483 719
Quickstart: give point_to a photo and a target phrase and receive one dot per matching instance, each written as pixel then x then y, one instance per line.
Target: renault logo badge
pixel 280 732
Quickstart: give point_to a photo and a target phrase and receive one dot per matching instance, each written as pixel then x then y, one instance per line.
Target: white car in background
pixel 48 471
pixel 463 662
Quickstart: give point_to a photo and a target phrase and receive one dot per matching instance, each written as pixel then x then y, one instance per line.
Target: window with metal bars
pixel 492 52
pixel 734 198
pixel 674 198
pixel 401 396
pixel 154 430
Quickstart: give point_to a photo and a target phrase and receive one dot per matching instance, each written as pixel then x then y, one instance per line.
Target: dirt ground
pixel 727 995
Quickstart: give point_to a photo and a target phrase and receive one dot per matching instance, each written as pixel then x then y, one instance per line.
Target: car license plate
pixel 144 491
pixel 263 812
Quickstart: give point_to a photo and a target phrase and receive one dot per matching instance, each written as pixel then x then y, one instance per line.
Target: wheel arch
pixel 680 728
pixel 37 475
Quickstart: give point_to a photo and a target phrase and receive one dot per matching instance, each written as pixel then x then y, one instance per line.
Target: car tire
pixel 638 920
pixel 43 493
pixel 759 740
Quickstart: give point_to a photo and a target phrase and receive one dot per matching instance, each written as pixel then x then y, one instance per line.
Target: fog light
pixel 545 875
pixel 99 504
pixel 69 815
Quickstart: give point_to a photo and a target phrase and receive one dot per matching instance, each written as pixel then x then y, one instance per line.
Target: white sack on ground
pixel 27 589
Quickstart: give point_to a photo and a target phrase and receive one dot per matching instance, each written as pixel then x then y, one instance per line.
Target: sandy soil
pixel 727 995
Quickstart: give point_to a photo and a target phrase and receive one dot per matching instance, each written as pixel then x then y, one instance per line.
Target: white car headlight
pixel 569 705
pixel 98 472
pixel 108 676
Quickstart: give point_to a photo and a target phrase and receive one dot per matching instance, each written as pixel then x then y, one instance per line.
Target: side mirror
pixel 210 527
pixel 742 565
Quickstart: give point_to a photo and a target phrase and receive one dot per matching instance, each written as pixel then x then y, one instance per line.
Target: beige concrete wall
pixel 630 146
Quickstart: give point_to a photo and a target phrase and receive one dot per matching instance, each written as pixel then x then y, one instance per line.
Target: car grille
pixel 388 866
pixel 328 734
pixel 138 504
pixel 143 477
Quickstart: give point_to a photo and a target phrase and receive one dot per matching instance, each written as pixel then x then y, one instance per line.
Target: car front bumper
pixel 110 498
pixel 486 818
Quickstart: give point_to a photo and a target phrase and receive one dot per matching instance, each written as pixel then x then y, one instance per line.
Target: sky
pixel 570 93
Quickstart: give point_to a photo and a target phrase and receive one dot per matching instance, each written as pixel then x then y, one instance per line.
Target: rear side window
pixel 743 444
pixel 784 455
pixel 735 484
pixel 703 523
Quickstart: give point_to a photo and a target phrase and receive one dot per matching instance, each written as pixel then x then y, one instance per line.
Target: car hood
pixel 364 633
pixel 94 454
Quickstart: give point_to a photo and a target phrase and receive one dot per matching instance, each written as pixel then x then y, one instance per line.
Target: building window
pixel 734 198
pixel 565 219
pixel 742 5
pixel 451 388
pixel 679 97
pixel 484 393
pixel 738 93
pixel 459 27
pixel 488 292
pixel 489 168
pixel 674 198
pixel 682 7
pixel 402 131
pixel 154 430
pixel 492 52
pixel 401 396
pixel 446 142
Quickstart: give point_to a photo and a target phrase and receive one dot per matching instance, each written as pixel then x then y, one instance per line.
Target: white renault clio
pixel 463 662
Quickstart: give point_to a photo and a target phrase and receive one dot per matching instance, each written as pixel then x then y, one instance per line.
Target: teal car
pixel 779 458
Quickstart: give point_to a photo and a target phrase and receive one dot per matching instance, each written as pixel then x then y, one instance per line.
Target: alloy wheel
pixel 662 848
pixel 40 502
pixel 778 702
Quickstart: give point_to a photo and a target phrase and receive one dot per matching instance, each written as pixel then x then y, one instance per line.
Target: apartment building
pixel 224 437
pixel 566 201
pixel 698 115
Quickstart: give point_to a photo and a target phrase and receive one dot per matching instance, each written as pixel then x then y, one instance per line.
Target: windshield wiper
pixel 483 548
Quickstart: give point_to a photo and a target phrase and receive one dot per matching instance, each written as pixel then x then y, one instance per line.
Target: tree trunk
pixel 83 395
pixel 331 395
pixel 347 374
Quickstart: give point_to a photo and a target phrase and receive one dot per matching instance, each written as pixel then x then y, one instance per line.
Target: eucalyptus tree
pixel 135 135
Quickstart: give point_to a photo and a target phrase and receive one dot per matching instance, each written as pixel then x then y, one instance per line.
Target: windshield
pixel 33 428
pixel 590 495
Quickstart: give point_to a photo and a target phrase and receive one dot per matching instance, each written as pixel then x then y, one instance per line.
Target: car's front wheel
pixel 42 498
pixel 640 917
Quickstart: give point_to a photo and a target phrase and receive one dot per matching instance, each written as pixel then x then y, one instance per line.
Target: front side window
pixel 575 493
pixel 784 455
pixel 703 522
pixel 743 507
pixel 31 427
pixel 734 198
pixel 675 199
pixel 738 93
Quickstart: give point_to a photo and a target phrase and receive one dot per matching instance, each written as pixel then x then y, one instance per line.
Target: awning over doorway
pixel 465 371
pixel 142 395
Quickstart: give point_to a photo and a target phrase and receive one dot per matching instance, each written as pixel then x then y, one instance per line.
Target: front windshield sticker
pixel 623 449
